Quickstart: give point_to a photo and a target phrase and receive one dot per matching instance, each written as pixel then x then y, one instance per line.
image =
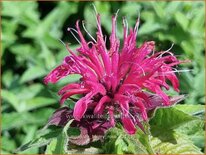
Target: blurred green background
pixel 31 48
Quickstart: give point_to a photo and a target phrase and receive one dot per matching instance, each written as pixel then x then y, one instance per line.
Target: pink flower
pixel 124 81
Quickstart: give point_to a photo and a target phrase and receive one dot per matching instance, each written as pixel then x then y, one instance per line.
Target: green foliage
pixel 41 140
pixel 182 146
pixel 118 142
pixel 166 121
pixel 58 145
pixel 31 48
pixel 172 131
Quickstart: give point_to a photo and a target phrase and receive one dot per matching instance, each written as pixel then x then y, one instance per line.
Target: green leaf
pixel 73 131
pixel 19 10
pixel 191 109
pixel 198 21
pixel 23 99
pixel 33 73
pixel 8 143
pixel 30 131
pixel 58 145
pixel 15 120
pixel 41 140
pixel 149 27
pixel 182 20
pixel 48 56
pixel 7 78
pixel 172 7
pixel 166 120
pixel 38 102
pixel 8 33
pixel 90 17
pixel 28 92
pixel 194 131
pixel 11 98
pixel 183 146
pixel 118 142
pixel 159 9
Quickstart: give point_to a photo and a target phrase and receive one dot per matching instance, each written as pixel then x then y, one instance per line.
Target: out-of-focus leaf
pixel 8 35
pixel 149 27
pixel 172 7
pixel 69 79
pixel 182 20
pixel 90 16
pixel 199 81
pixel 11 98
pixel 24 52
pixel 29 92
pixel 48 31
pixel 16 120
pixel 131 10
pixel 198 21
pixel 158 8
pixel 31 131
pixel 38 102
pixel 8 144
pixel 33 73
pixel 7 78
pixel 48 56
pixel 20 10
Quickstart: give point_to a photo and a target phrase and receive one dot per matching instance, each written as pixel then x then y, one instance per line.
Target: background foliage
pixel 31 48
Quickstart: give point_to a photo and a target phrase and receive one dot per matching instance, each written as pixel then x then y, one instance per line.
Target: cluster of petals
pixel 123 80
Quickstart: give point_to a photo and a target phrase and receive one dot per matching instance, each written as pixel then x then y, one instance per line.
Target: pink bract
pixel 126 82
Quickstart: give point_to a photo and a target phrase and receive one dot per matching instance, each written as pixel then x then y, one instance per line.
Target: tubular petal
pixel 128 125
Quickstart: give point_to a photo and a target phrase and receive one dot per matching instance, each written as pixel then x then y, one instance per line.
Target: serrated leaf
pixel 166 120
pixel 191 109
pixel 183 146
pixel 118 142
pixel 58 145
pixel 194 131
pixel 30 131
pixel 40 140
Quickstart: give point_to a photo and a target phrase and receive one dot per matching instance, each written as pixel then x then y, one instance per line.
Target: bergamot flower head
pixel 126 81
